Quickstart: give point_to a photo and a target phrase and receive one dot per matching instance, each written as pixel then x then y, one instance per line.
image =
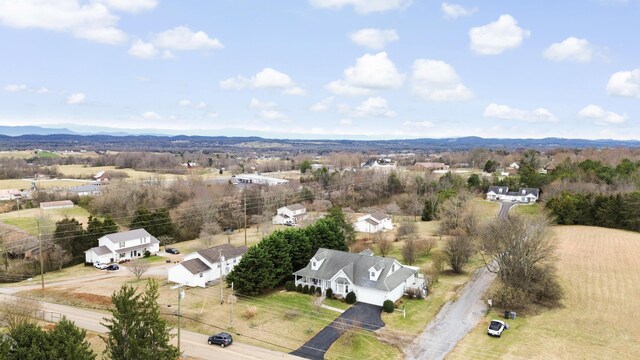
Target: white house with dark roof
pixel 291 214
pixel 523 195
pixel 373 279
pixel 122 246
pixel 204 266
pixel 373 223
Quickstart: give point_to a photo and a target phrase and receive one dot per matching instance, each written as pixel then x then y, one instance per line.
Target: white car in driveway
pixel 100 266
pixel 496 328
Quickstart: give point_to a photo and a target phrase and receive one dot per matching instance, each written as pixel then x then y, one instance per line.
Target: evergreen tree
pixel 429 211
pixel 299 247
pixel 278 252
pixel 141 219
pixel 68 342
pixel 70 236
pixel 304 166
pixel 326 233
pixel 253 274
pixel 27 342
pixel 336 214
pixel 155 333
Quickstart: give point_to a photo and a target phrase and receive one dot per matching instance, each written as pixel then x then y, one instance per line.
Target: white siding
pixel 180 275
pixel 370 296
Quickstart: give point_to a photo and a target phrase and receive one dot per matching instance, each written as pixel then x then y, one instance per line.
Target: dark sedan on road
pixel 223 339
pixel 173 251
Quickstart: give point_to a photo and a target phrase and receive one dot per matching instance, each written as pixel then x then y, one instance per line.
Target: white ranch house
pixel 292 214
pixel 523 195
pixel 204 266
pixel 122 246
pixel 373 279
pixel 373 223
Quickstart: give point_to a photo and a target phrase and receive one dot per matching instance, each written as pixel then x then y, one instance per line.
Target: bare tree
pixel 207 233
pixel 457 215
pixel 17 311
pixel 138 267
pixel 425 246
pixel 410 251
pixel 437 265
pixel 405 229
pixel 458 250
pixel 383 243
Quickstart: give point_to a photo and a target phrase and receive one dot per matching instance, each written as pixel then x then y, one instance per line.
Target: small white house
pixel 121 246
pixel 10 194
pixel 373 279
pixel 373 223
pixel 291 214
pixel 204 266
pixel 62 204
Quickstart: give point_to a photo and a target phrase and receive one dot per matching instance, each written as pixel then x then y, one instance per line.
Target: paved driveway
pixel 362 315
pixel 504 209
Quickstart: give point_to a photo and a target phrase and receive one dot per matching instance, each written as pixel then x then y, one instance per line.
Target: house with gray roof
pixel 373 279
pixel 122 246
pixel 202 267
pixel 523 195
pixel 291 214
pixel 373 223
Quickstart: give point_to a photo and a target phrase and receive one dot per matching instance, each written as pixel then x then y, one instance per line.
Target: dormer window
pixel 373 274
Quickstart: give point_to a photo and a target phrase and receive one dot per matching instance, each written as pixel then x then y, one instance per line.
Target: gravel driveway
pixel 365 316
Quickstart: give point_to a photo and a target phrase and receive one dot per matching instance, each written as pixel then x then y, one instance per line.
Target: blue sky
pixel 325 68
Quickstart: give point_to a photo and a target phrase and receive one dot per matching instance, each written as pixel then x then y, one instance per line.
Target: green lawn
pixel 27 219
pixel 362 345
pixel 153 259
pixel 336 304
pixel 533 209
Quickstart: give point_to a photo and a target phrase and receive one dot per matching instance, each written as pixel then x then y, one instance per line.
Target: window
pixel 122 244
pixel 373 275
pixel 314 265
pixel 201 274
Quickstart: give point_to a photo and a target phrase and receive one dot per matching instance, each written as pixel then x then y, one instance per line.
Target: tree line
pixel 273 260
pixel 619 211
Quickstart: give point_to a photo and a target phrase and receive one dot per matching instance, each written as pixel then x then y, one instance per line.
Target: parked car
pixel 223 339
pixel 172 251
pixel 113 267
pixel 496 328
pixel 288 223
pixel 100 266
pixel 124 261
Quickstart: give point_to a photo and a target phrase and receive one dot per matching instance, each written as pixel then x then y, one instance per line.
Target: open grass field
pixel 27 219
pixel 81 171
pixel 533 209
pixel 600 272
pixel 42 184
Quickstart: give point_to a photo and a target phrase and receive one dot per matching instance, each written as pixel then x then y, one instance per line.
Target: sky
pixel 379 69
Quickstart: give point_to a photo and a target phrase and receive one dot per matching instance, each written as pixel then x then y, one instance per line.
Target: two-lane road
pixel 192 344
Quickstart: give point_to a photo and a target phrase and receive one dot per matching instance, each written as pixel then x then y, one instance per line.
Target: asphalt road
pixel 365 316
pixel 456 318
pixel 192 344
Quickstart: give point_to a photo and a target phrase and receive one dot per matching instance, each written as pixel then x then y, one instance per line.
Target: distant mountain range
pixel 101 138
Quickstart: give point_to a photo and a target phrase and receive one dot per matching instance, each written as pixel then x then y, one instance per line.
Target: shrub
pixel 509 297
pixel 305 289
pixel 147 253
pixel 329 293
pixel 387 306
pixel 318 291
pixel 414 293
pixel 299 288
pixel 291 314
pixel 250 313
pixel 289 286
pixel 351 298
pixel 312 290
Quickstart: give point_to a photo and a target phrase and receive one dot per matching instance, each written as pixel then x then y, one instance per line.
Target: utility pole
pixel 232 301
pixel 244 192
pixel 221 259
pixel 41 255
pixel 180 297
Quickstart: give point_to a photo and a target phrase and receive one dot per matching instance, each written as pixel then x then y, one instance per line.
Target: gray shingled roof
pixel 212 255
pixel 101 250
pixel 195 266
pixel 496 189
pixel 371 221
pixel 356 267
pixel 131 235
pixel 295 207
pixel 379 216
pixel 528 191
pixel 85 188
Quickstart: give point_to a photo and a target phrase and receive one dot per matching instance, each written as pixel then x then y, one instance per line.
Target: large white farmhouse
pixel 121 246
pixel 373 223
pixel 523 195
pixel 291 214
pixel 201 267
pixel 373 279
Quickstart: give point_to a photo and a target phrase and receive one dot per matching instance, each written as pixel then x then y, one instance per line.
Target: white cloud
pixel 151 115
pixel 266 110
pixel 184 103
pixel 76 98
pixel 374 38
pixel 91 20
pixel 346 122
pixel 436 80
pixel 131 6
pixel 570 49
pixel 417 124
pixel 182 38
pixel 213 115
pixel 143 49
pixel 42 90
pixel 507 113
pixel 370 72
pixel 340 87
pixel 268 78
pixel 374 107
pixel 625 83
pixel 602 116
pixel 322 105
pixel 498 36
pixel 362 6
pixel 454 11
pixel 14 88
pixel 201 105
